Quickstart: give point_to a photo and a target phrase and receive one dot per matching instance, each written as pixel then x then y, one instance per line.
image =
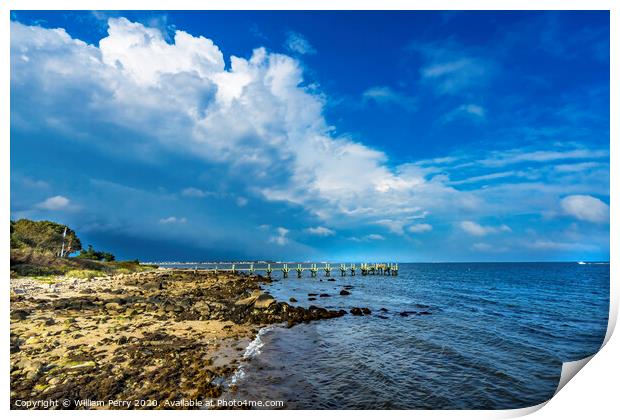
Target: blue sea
pixel 476 336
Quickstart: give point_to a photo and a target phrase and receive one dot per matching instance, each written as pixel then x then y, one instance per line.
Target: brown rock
pixel 249 300
pixel 263 301
pixel 113 306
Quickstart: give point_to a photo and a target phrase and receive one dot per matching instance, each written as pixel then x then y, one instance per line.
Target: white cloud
pixel 476 229
pixel 577 167
pixel 420 227
pixel 320 231
pixel 172 220
pixel 454 76
pixel 367 238
pixel 515 156
pixel 585 207
pixel 471 111
pixel 241 201
pixel 473 228
pixel 442 69
pixel 281 238
pixel 144 54
pixel 384 95
pixel 297 43
pixel 394 226
pixel 193 192
pixel 490 177
pixel 450 68
pixel 32 183
pixel 57 202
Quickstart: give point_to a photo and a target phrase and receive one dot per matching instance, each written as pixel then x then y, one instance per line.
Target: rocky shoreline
pixel 161 335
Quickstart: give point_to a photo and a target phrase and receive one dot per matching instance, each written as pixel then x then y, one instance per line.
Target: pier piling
pixel 395 270
pixel 364 269
pixel 387 269
pixel 313 270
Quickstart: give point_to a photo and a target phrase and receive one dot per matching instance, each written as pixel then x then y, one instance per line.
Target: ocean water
pixel 478 336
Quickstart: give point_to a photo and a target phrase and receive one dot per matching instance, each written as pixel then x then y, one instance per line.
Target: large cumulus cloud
pixel 258 114
pixel 135 93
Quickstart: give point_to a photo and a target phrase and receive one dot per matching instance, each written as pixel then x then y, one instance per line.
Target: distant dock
pixel 364 269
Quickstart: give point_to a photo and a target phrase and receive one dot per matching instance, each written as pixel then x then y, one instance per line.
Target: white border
pixel 593 394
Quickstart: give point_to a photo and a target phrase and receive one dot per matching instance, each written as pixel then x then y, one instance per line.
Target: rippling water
pixel 493 336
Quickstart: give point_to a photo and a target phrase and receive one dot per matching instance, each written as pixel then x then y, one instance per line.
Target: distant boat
pixel 581 263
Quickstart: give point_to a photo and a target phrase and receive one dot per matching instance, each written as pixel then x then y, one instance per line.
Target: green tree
pixel 91 254
pixel 44 236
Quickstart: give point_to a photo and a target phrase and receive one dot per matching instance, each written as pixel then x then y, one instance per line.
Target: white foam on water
pixel 592 263
pixel 238 375
pixel 252 350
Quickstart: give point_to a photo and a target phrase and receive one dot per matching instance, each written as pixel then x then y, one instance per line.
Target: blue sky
pixel 409 136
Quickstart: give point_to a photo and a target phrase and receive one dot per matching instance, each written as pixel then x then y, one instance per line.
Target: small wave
pixel 252 350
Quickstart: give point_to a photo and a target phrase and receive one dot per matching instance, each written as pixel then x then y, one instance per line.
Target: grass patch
pixel 48 279
pixel 124 267
pixel 84 274
pixel 32 263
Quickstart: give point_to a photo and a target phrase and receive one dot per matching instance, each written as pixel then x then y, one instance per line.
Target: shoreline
pixel 142 336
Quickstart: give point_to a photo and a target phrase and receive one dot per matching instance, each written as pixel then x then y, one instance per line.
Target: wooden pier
pixel 365 269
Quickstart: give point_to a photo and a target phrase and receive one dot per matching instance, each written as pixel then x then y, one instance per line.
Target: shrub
pixel 30 270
